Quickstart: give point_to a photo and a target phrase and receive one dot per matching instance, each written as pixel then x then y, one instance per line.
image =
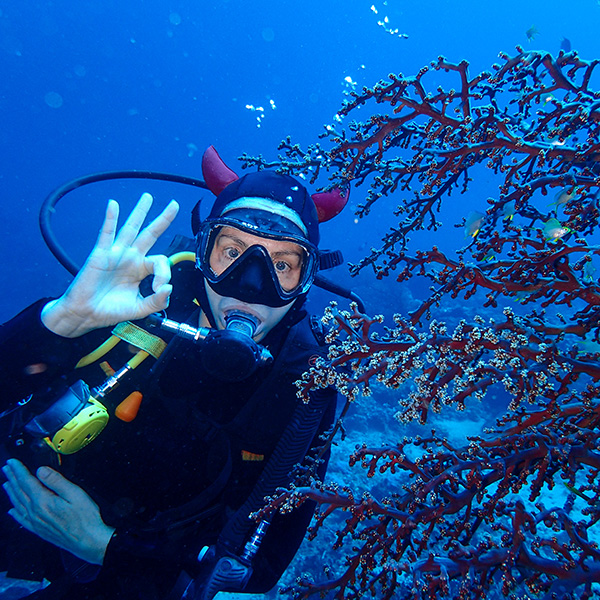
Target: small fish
pixel 587 347
pixel 588 270
pixel 563 196
pixel 565 45
pixel 521 296
pixel 553 230
pixel 531 33
pixel 473 223
pixel 508 211
pixel 575 491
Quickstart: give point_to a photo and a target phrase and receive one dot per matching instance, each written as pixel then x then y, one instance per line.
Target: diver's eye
pixel 232 253
pixel 281 266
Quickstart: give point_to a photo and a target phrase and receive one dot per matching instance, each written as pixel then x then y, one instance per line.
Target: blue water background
pixel 95 86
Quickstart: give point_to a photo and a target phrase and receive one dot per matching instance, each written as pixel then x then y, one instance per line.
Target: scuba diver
pixel 159 499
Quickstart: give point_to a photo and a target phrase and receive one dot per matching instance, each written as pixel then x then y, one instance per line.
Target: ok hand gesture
pixel 106 290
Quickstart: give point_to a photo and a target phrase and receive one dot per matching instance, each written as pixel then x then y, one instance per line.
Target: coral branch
pixel 475 521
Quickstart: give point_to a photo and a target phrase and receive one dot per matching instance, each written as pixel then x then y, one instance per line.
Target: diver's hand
pixel 57 510
pixel 106 290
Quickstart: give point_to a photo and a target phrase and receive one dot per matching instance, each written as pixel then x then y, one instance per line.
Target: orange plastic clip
pixel 251 456
pixel 128 409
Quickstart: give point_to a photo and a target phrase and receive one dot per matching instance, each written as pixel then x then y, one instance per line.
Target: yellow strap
pixel 140 338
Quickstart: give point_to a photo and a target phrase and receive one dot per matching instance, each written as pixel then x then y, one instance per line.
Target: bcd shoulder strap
pixel 289 450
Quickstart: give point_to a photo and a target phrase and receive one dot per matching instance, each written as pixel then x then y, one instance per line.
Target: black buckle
pixel 328 259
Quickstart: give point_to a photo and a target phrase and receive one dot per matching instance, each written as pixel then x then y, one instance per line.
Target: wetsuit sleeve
pixel 286 533
pixel 31 356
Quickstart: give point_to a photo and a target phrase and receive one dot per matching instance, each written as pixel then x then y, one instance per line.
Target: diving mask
pixel 257 266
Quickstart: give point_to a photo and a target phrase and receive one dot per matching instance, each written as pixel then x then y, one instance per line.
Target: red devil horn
pixel 217 174
pixel 329 204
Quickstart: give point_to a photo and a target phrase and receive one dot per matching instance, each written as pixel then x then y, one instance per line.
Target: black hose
pixel 338 290
pixel 49 204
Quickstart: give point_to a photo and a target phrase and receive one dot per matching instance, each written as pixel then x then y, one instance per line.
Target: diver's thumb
pixel 159 300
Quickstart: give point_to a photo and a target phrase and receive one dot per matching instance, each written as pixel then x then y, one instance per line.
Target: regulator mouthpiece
pixel 229 354
pixel 241 322
pixel 232 354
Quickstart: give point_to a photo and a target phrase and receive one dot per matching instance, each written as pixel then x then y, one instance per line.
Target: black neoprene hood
pixel 284 189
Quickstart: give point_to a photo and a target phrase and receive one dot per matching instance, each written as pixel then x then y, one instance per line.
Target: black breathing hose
pixel 338 290
pixel 49 205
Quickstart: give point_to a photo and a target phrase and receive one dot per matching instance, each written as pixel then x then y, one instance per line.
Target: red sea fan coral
pixel 472 521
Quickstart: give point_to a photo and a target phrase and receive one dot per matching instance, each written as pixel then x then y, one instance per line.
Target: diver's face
pixel 287 258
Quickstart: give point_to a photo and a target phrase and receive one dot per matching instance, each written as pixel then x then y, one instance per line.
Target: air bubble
pixel 53 99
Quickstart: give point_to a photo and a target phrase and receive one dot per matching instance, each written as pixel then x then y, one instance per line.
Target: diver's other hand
pixel 57 510
pixel 106 290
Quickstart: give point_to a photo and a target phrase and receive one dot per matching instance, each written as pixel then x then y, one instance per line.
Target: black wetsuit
pixel 171 479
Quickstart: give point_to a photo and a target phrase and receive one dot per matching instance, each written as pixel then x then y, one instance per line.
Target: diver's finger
pixel 23 484
pixel 21 518
pixel 135 220
pixel 14 497
pixel 61 486
pixel 160 266
pixel 147 238
pixel 157 301
pixel 34 503
pixel 38 524
pixel 15 491
pixel 106 237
